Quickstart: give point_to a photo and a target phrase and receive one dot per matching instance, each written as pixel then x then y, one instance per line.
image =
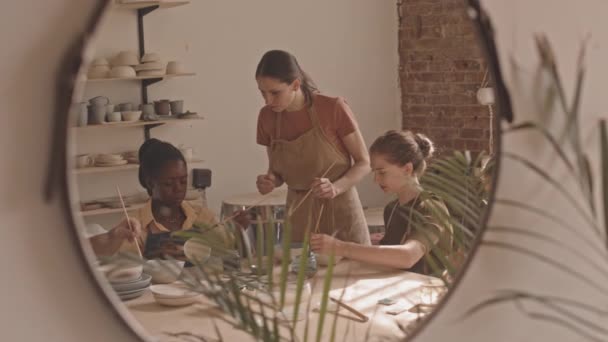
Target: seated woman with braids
pixel 163 172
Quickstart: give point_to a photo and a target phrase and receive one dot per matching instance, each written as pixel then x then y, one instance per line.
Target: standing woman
pixel 313 143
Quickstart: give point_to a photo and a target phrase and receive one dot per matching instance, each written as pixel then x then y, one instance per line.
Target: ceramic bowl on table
pixel 118 273
pixel 164 271
pixel 174 295
pixel 197 251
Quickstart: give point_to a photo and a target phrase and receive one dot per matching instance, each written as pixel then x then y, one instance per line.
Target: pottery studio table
pixel 363 285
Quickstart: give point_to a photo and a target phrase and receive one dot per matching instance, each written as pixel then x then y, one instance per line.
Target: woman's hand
pixel 243 218
pixel 325 244
pixel 122 230
pixel 324 188
pixel 266 183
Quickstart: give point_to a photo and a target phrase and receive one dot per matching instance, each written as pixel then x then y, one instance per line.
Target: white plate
pixel 122 273
pixel 141 283
pixel 108 164
pixel 132 295
pixel 178 301
pixel 172 291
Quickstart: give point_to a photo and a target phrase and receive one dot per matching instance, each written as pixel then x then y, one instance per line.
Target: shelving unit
pixel 145 4
pixel 143 8
pixel 141 78
pixel 106 169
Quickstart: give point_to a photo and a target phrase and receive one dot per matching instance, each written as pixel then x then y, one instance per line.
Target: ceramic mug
pixel 147 108
pixel 125 107
pixel 162 107
pixel 109 108
pixel 97 114
pixel 177 107
pixel 84 160
pixel 114 117
pixel 82 114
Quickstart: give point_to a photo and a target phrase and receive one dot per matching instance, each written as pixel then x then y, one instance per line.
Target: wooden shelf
pixel 139 78
pixel 143 4
pixel 138 123
pixel 99 169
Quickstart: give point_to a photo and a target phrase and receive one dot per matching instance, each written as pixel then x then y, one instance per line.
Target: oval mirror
pixel 242 171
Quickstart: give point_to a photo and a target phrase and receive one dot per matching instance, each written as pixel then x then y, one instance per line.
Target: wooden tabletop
pixel 359 285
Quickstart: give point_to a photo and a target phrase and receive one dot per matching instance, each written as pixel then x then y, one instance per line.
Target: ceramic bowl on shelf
pixel 151 73
pixel 150 57
pixel 131 116
pixel 150 66
pixel 122 71
pixel 126 58
pixel 100 61
pixel 98 71
pixel 99 101
pixel 175 67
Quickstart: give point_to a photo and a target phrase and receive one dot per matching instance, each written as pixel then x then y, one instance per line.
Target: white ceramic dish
pixel 108 157
pixel 150 57
pixel 116 163
pixel 172 291
pixel 122 72
pixel 151 73
pixel 99 71
pixel 132 295
pixel 138 284
pixel 100 61
pixel 130 116
pixel 164 271
pixel 150 66
pixel 126 58
pixel 178 301
pixel 121 273
pixel 196 251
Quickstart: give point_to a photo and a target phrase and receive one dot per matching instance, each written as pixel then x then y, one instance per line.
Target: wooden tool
pixel 291 211
pixel 124 208
pixel 357 313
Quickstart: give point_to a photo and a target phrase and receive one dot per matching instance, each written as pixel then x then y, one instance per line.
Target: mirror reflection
pixel 266 190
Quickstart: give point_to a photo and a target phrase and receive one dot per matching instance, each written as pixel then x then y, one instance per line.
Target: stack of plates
pixel 174 295
pixel 132 289
pixel 109 160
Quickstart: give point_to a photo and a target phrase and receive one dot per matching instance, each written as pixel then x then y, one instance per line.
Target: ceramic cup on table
pixel 84 160
pixel 177 107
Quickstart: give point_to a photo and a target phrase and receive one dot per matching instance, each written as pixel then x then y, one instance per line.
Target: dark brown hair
pixel 402 147
pixel 284 67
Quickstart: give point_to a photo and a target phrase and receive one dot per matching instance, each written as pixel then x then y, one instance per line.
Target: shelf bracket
pixel 148 128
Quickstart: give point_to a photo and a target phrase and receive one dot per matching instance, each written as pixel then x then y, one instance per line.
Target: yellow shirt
pixel 194 214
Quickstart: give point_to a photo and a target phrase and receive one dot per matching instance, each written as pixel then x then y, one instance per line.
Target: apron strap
pixel 277 129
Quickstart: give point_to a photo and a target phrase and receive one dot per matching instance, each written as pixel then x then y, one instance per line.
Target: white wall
pixel 47 294
pixel 348 47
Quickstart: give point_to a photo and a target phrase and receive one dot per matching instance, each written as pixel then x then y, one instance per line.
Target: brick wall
pixel 441 68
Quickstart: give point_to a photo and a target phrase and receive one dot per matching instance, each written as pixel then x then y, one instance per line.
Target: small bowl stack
pixel 100 68
pixel 127 280
pixel 151 65
pixel 174 295
pixel 104 160
pixel 123 63
pixel 132 157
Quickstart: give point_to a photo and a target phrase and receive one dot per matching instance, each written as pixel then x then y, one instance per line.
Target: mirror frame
pixel 58 179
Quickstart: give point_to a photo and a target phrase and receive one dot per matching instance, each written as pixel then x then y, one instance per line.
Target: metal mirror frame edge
pixel 58 180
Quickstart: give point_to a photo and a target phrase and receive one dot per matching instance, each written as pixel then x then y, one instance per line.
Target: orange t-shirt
pixel 334 115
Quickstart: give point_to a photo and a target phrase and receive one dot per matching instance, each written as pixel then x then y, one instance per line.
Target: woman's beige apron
pixel 298 163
